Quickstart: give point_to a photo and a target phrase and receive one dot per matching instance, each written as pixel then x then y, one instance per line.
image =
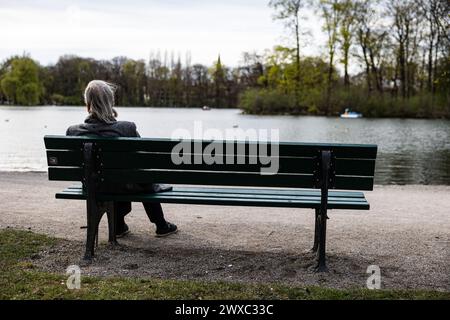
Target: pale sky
pixel 47 29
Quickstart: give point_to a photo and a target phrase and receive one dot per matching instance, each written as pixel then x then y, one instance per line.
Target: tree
pixel 435 14
pixel 372 40
pixel 176 84
pixel 133 82
pixel 281 71
pixel 201 84
pixel 346 32
pixel 20 83
pixel 405 21
pixel 251 70
pixel 219 73
pixel 187 81
pixel 331 13
pixel 70 76
pixel 289 12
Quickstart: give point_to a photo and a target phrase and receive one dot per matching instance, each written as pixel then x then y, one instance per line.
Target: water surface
pixel 410 151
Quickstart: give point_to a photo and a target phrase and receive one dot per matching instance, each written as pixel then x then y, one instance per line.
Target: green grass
pixel 19 279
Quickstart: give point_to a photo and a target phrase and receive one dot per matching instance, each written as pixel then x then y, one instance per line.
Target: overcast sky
pixel 47 29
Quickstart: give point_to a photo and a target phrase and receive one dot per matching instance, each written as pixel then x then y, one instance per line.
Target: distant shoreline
pixel 233 108
pixel 237 109
pixel 83 106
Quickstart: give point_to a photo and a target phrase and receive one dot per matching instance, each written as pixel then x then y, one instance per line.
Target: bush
pixel 313 101
pixel 73 101
pixel 425 105
pixel 28 94
pixel 57 99
pixel 266 101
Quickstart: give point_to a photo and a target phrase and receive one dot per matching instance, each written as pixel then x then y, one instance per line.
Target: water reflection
pixel 413 168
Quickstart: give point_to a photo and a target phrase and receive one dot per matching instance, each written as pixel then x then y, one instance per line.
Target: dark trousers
pixel 154 212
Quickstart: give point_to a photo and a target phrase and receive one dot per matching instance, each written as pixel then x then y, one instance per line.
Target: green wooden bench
pixel 308 174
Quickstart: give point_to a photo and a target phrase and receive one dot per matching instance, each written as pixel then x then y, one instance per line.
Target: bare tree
pixel 289 12
pixel 405 21
pixel 366 17
pixel 436 16
pixel 331 13
pixel 346 31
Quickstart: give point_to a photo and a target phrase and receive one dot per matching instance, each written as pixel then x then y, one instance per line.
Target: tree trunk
pixel 346 75
pixel 375 72
pixel 297 61
pixel 430 62
pixel 436 53
pixel 402 68
pixel 330 79
pixel 363 43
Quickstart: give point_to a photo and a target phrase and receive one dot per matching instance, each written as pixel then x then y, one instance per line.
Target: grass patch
pixel 19 279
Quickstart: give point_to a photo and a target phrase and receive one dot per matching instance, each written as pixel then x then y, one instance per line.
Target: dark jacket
pixel 92 126
pixel 95 127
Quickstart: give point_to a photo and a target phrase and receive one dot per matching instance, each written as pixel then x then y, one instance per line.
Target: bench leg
pixel 112 218
pixel 321 257
pixel 316 232
pixel 94 215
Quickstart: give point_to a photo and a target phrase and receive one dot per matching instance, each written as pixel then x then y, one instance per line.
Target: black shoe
pixel 122 231
pixel 168 229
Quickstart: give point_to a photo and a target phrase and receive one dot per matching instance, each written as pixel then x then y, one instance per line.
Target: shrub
pixel 266 101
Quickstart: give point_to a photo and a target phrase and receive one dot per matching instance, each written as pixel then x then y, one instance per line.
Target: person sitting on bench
pixel 101 121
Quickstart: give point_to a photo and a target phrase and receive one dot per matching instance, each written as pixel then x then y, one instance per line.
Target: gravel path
pixel 406 233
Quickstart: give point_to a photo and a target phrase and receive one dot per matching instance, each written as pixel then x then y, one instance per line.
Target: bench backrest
pixel 141 160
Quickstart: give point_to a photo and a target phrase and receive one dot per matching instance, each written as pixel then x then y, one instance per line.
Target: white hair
pixel 99 97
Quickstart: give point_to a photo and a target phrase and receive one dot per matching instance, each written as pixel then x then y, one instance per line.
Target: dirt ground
pixel 406 233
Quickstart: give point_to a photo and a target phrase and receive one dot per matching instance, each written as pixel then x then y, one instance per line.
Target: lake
pixel 410 151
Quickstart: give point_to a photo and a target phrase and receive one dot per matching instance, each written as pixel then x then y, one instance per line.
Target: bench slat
pixel 247 196
pixel 231 179
pixel 290 149
pixel 211 178
pixel 270 191
pixel 64 158
pixel 208 178
pixel 231 200
pixel 145 160
pixel 65 174
pixel 257 191
pixel 355 167
pixel 177 193
pixel 354 183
